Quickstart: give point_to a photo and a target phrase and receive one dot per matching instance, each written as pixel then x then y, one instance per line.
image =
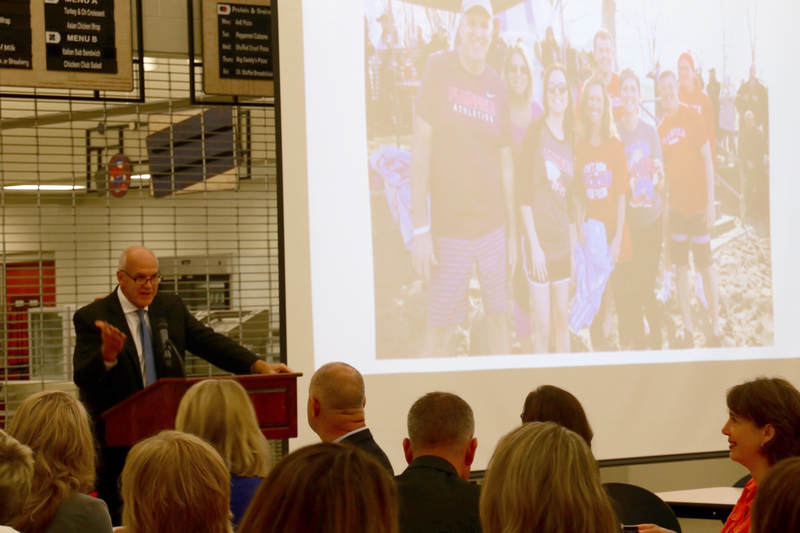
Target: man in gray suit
pixel 336 403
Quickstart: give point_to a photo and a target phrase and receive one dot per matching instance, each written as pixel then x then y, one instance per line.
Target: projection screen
pixel 353 80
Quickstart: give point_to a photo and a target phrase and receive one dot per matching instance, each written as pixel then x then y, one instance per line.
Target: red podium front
pixel 153 409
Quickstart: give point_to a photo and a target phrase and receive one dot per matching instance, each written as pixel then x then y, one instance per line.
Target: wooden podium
pixel 153 409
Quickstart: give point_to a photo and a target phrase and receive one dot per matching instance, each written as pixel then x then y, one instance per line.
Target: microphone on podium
pixel 163 335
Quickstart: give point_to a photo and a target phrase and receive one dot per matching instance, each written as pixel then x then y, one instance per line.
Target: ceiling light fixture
pixel 43 187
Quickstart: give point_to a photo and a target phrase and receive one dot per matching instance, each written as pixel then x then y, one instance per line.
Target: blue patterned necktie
pixel 147 348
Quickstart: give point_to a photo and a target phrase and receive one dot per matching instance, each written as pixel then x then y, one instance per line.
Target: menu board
pixel 237 48
pixel 244 42
pixel 66 44
pixel 15 34
pixel 79 35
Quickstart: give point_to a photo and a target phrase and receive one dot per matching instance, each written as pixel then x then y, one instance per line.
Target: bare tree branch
pixel 752 28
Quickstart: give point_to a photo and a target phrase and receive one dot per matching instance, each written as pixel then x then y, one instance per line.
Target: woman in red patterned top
pixel 763 427
pixel 602 187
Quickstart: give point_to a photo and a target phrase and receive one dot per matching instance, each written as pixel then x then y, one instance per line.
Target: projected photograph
pixel 567 176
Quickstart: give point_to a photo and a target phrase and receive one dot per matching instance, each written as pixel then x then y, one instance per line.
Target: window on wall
pixel 81 181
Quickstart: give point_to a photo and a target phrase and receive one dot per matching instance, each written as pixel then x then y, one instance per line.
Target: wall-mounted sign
pixel 119 175
pixel 80 35
pixel 237 48
pixel 68 44
pixel 15 34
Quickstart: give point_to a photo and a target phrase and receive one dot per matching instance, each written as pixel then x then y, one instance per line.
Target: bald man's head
pixel 338 386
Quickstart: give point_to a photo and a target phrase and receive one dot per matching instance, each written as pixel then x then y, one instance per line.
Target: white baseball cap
pixel 466 5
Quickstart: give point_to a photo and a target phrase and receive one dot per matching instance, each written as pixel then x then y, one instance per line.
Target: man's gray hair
pixel 440 419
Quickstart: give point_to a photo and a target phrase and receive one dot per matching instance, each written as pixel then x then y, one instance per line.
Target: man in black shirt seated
pixel 336 403
pixel 435 495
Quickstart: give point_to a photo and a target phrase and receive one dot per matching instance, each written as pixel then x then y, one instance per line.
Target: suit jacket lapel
pixel 119 321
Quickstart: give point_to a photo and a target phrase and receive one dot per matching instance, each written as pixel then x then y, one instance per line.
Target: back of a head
pixel 772 401
pixel 551 404
pixel 174 483
pixel 440 420
pixel 56 427
pixel 16 475
pixel 338 386
pixel 777 504
pixel 542 477
pixel 220 412
pixel 324 488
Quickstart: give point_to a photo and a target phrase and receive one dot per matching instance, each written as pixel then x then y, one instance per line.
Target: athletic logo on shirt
pixel 472 105
pixel 673 136
pixel 698 108
pixel 554 164
pixel 643 180
pixel 554 176
pixel 596 180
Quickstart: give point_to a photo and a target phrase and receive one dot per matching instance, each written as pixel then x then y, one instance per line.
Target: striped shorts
pixel 448 291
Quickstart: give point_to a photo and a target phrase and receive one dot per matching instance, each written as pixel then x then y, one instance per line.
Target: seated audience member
pixel 777 505
pixel 435 495
pixel 324 488
pixel 763 428
pixel 56 427
pixel 551 404
pixel 16 474
pixel 175 483
pixel 220 412
pixel 336 403
pixel 542 477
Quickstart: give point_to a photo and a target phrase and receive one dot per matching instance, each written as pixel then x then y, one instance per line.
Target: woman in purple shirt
pixel 544 178
pixel 518 77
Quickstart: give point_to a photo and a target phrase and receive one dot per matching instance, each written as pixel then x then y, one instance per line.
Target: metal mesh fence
pixel 203 197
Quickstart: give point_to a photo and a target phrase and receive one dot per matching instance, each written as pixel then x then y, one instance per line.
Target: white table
pixel 713 503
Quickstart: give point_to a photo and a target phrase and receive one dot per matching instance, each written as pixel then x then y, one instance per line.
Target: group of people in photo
pixel 563 210
pixel 212 474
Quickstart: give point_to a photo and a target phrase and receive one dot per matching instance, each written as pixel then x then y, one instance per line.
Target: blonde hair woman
pixel 16 475
pixel 175 483
pixel 219 411
pixel 56 427
pixel 542 477
pixel 325 488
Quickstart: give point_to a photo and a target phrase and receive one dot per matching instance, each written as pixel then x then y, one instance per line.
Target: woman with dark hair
pixel 777 505
pixel 645 211
pixel 602 187
pixel 763 428
pixel 325 488
pixel 544 183
pixel 551 404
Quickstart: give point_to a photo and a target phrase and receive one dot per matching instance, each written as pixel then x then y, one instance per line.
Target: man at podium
pixel 121 348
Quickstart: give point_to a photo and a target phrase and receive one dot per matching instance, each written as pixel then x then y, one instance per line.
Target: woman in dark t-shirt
pixel 645 210
pixel 603 188
pixel 544 181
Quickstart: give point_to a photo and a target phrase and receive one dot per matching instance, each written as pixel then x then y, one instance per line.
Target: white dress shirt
pixel 359 430
pixel 132 318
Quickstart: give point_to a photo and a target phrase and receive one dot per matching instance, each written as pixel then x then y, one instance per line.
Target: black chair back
pixel 635 505
pixel 742 482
